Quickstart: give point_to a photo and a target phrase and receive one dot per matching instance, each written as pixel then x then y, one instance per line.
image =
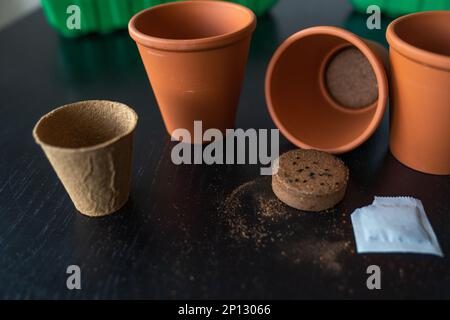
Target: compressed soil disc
pixel 350 79
pixel 310 180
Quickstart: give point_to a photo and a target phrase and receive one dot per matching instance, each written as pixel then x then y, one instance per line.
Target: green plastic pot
pixel 395 8
pixel 104 16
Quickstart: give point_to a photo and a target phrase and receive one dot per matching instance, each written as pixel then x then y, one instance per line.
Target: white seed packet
pixel 394 224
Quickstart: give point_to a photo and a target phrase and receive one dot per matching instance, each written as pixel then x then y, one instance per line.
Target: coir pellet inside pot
pixel 350 79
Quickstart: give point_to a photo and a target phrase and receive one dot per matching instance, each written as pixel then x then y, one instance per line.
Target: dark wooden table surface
pixel 189 231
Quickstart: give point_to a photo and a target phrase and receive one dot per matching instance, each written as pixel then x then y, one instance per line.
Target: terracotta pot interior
pixel 84 125
pixel 436 39
pixel 190 20
pixel 301 97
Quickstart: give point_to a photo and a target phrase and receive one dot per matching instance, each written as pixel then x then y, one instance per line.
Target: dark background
pixel 189 231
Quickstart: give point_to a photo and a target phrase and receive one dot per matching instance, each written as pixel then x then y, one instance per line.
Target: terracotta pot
pixel 420 91
pixel 195 53
pixel 298 94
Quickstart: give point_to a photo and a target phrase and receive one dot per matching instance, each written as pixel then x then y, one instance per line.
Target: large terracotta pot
pixel 420 91
pixel 298 95
pixel 195 53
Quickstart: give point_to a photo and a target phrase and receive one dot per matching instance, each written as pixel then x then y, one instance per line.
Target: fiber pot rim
pixel 412 52
pixel 374 61
pixel 92 147
pixel 196 43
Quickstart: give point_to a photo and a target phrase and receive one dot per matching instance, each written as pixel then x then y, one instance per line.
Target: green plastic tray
pixel 104 16
pixel 395 8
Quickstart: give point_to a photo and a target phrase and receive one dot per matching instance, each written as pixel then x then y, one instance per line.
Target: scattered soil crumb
pixel 253 214
pixel 251 210
pixel 324 253
pixel 271 207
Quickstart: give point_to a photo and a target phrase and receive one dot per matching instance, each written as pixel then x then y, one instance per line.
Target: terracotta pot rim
pixel 94 147
pixel 374 61
pixel 423 56
pixel 198 43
